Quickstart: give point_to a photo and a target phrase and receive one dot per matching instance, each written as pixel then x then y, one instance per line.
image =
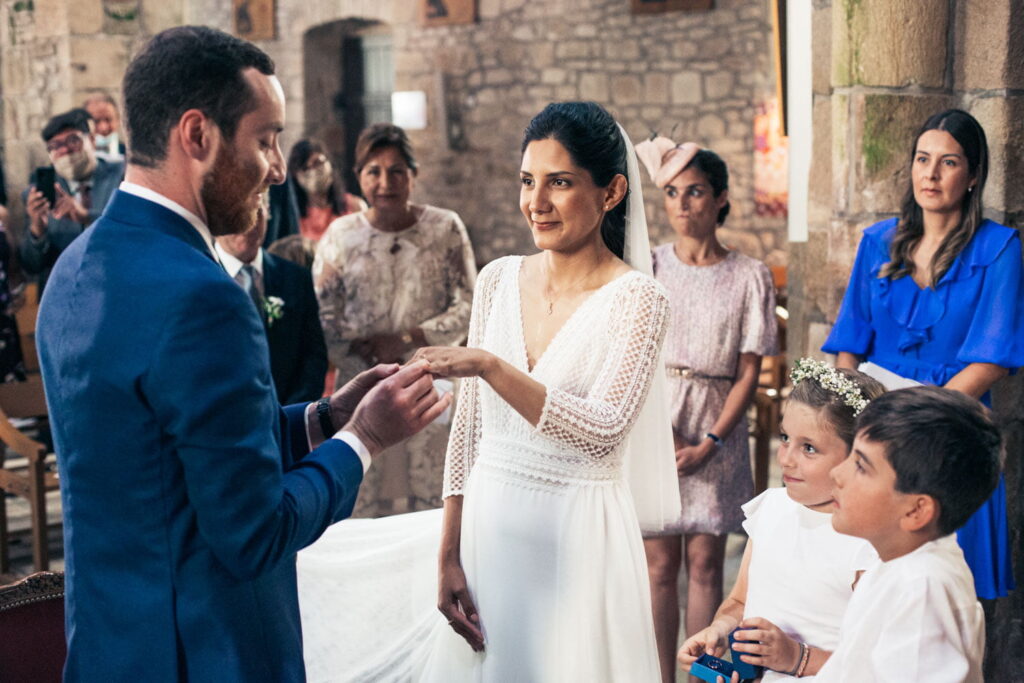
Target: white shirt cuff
pixel 357 445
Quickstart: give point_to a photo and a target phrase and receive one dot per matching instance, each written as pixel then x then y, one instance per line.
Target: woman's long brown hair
pixel 966 130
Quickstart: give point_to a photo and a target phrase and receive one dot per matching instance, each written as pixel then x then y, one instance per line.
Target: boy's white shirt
pixel 914 618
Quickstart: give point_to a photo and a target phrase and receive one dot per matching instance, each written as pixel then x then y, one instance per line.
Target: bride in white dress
pixel 542 571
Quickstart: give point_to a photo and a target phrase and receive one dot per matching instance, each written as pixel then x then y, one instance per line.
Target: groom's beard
pixel 228 195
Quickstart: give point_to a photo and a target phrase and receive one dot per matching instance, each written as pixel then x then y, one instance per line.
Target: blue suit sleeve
pixel 853 331
pixel 210 387
pixel 997 328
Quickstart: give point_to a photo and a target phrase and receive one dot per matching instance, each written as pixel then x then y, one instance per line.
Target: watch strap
pixel 323 414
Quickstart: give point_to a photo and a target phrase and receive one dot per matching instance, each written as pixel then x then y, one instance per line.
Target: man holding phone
pixel 67 197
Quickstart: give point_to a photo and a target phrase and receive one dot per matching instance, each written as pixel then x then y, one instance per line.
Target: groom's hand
pixel 397 407
pixel 345 400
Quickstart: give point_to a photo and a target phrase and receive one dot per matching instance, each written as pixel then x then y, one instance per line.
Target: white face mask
pixel 107 144
pixel 317 180
pixel 76 166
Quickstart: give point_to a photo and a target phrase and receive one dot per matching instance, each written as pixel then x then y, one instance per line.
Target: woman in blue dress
pixel 936 296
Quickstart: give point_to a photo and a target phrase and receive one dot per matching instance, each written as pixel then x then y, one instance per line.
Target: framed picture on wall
pixel 447 12
pixel 254 19
pixel 659 6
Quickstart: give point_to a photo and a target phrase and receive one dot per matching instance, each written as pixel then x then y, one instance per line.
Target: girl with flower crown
pixel 797 572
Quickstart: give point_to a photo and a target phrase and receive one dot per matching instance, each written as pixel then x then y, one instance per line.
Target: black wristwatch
pixel 717 440
pixel 323 414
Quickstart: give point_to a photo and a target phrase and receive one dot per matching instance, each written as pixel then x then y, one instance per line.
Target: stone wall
pixel 702 73
pixel 53 54
pixel 881 67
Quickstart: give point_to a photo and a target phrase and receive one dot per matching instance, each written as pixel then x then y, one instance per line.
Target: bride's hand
pixel 457 606
pixel 454 361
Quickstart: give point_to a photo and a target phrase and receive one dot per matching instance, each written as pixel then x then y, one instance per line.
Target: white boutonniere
pixel 273 308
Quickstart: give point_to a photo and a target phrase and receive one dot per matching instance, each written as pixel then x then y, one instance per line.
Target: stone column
pixel 881 68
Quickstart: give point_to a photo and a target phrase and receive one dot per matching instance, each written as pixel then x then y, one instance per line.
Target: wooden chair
pixel 26 317
pixel 32 644
pixel 31 480
pixel 770 388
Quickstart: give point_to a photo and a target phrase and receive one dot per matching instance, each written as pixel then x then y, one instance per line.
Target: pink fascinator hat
pixel 664 159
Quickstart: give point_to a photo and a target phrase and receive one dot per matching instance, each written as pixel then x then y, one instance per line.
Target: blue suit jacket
pixel 187 490
pixel 38 255
pixel 298 355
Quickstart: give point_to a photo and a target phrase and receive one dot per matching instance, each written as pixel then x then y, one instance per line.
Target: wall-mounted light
pixel 409 109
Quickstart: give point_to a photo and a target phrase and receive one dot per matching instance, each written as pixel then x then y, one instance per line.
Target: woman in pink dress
pixel 722 324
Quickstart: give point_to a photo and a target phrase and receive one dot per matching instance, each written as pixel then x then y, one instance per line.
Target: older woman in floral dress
pixel 389 280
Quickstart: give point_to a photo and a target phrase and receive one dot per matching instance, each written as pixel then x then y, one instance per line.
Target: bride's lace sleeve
pixel 596 422
pixel 464 441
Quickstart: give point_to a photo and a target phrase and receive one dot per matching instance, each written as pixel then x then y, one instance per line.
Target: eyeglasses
pixel 71 143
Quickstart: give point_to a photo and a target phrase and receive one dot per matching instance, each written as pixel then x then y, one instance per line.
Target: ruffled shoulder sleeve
pixel 997 327
pixel 988 244
pixel 757 508
pixel 853 331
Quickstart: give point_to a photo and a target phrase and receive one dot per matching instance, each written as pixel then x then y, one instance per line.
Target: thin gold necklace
pixel 547 286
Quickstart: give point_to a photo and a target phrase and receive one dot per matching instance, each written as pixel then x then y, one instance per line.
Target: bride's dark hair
pixel 590 135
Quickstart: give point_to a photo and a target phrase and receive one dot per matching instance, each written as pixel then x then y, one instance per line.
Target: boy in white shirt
pixel 924 459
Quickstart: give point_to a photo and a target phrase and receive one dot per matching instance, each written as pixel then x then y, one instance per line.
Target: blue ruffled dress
pixel 974 315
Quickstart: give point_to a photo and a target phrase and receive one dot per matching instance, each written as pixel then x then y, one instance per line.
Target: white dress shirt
pixel 232 264
pixel 914 618
pixel 222 257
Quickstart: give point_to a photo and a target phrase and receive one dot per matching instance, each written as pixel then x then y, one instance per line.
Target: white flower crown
pixel 829 379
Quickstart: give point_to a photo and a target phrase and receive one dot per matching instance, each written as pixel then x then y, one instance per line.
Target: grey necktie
pixel 249 278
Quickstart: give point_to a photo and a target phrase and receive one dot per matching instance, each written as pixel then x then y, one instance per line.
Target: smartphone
pixel 46 177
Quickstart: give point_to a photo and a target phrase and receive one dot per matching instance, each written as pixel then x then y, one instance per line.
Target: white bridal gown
pixel 551 545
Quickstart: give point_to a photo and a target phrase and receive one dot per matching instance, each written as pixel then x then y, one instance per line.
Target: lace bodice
pixel 597 371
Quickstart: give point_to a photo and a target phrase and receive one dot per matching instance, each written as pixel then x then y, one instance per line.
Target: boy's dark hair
pixel 76 119
pixel 941 443
pixel 188 67
pixel 832 407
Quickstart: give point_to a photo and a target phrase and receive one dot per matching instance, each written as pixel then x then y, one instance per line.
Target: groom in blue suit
pixel 187 489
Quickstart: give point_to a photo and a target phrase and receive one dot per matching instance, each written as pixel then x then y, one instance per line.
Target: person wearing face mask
pixel 106 125
pixel 320 194
pixel 85 182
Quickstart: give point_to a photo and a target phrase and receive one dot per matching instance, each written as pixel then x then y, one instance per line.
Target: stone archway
pixel 348 78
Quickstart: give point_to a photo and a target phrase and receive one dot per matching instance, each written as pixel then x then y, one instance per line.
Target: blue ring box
pixel 708 668
pixel 746 671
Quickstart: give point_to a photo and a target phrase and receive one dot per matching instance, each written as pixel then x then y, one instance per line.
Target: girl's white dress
pixel 551 545
pixel 801 570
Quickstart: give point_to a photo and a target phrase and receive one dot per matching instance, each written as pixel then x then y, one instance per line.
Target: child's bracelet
pixel 801 662
pixel 805 656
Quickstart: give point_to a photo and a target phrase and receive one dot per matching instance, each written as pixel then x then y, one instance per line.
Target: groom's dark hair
pixel 188 67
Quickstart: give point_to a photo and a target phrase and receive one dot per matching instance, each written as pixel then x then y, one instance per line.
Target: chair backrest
pixel 32 645
pixel 26 317
pixel 19 400
pixel 23 399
